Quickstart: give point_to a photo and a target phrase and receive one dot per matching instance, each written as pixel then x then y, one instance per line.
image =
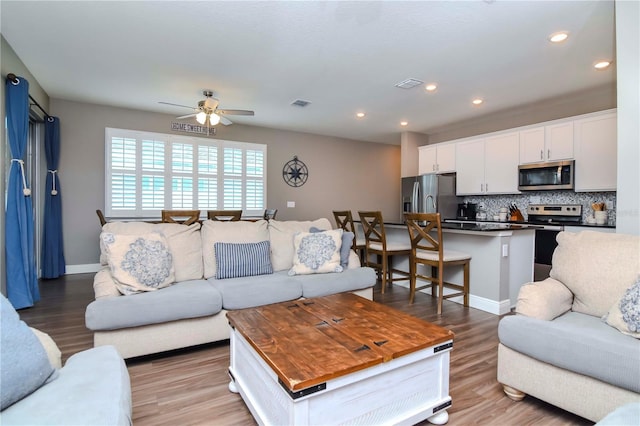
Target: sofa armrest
pixel 544 300
pixel 50 347
pixel 104 285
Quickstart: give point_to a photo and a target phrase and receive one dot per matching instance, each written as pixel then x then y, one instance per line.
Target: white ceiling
pixel 344 57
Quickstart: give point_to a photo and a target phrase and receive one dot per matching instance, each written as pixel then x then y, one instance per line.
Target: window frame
pixel 162 168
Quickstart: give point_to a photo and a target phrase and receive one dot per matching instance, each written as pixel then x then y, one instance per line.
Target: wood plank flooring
pixel 189 386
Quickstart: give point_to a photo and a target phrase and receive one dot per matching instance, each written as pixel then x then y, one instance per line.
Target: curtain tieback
pixel 54 191
pixel 26 191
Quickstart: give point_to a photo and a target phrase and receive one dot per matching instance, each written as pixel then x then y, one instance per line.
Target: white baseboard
pixel 82 269
pixel 492 306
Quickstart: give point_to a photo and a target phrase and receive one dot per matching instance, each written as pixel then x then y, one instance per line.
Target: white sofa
pixel 192 311
pixel 574 339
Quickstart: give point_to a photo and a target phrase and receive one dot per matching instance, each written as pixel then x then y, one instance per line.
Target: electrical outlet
pixel 609 204
pixel 291 204
pixel 534 199
pixel 505 250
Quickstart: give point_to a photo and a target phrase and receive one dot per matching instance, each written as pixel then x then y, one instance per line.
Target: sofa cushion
pixel 214 231
pixel 326 284
pixel 597 267
pixel 24 364
pixel 242 259
pixel 576 342
pixel 187 299
pixel 316 252
pixel 93 388
pixel 544 300
pixel 248 292
pixel 104 285
pixel 140 262
pixel 184 241
pixel 281 237
pixel 625 313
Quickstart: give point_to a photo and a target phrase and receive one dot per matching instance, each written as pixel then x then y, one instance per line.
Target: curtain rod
pixel 14 79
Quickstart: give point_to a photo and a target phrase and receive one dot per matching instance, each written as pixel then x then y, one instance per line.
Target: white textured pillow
pixel 214 231
pixel 544 300
pixel 625 313
pixel 139 262
pixel 281 237
pixel 184 241
pixel 597 267
pixel 316 252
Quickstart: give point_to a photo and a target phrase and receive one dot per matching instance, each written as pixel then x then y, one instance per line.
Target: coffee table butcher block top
pixel 307 342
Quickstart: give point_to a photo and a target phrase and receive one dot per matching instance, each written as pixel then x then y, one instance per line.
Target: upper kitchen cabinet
pixel 488 165
pixel 437 159
pixel 595 152
pixel 547 143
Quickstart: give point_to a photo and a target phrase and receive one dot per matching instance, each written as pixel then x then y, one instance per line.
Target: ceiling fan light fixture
pixel 214 119
pixel 201 117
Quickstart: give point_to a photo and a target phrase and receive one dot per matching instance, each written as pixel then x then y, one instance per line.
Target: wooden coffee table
pixel 339 359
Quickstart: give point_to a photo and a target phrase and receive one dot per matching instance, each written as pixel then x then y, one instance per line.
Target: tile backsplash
pixel 493 203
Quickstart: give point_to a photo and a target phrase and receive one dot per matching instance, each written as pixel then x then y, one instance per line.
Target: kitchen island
pixel 501 260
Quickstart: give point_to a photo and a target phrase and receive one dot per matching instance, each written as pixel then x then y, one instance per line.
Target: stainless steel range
pixel 551 218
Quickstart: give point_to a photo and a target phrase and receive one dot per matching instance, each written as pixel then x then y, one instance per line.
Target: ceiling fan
pixel 208 112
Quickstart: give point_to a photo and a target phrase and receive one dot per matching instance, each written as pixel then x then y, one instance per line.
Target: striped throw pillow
pixel 242 259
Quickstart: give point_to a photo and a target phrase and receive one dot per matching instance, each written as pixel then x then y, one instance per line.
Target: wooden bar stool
pixel 425 232
pixel 185 217
pixel 344 220
pixel 232 215
pixel 376 243
pixel 269 214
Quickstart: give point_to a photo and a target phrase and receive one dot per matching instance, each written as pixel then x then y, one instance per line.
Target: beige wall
pixel 10 63
pixel 343 174
pixel 628 68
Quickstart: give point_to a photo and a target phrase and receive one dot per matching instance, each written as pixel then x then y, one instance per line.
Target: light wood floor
pixel 189 387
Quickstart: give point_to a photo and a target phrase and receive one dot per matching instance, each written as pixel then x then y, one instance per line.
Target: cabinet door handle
pixel 542 154
pixel 433 167
pixel 486 187
pixel 548 154
pixel 481 187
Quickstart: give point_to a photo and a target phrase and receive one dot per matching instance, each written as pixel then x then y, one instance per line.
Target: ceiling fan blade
pixel 235 112
pixel 183 106
pixel 225 121
pixel 185 116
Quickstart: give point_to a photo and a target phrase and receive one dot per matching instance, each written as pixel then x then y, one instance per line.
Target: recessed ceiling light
pixel 404 123
pixel 558 37
pixel 477 101
pixel 360 114
pixel 600 65
pixel 431 87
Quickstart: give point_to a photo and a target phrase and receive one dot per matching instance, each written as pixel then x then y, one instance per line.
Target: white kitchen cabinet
pixel 501 164
pixel 547 143
pixel 596 154
pixel 437 159
pixel 488 165
pixel 470 167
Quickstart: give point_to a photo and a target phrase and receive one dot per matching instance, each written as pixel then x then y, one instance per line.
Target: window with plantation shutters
pixel 148 172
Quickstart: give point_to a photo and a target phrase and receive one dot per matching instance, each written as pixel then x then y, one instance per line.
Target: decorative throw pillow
pixel 242 259
pixel 625 313
pixel 139 262
pixel 345 248
pixel 281 235
pixel 317 252
pixel 24 364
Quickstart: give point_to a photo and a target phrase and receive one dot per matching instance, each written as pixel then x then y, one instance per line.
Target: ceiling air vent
pixel 300 103
pixel 409 83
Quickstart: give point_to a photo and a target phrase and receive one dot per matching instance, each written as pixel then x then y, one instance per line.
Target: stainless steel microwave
pixel 546 176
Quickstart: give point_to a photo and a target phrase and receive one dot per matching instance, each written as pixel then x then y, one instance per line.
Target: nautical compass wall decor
pixel 295 172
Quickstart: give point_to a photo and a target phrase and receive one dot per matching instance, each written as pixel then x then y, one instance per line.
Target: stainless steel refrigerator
pixel 430 194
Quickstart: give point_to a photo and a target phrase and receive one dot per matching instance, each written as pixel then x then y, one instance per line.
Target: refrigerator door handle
pixel 414 197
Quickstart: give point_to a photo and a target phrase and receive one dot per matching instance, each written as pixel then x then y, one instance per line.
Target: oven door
pixel 543 252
